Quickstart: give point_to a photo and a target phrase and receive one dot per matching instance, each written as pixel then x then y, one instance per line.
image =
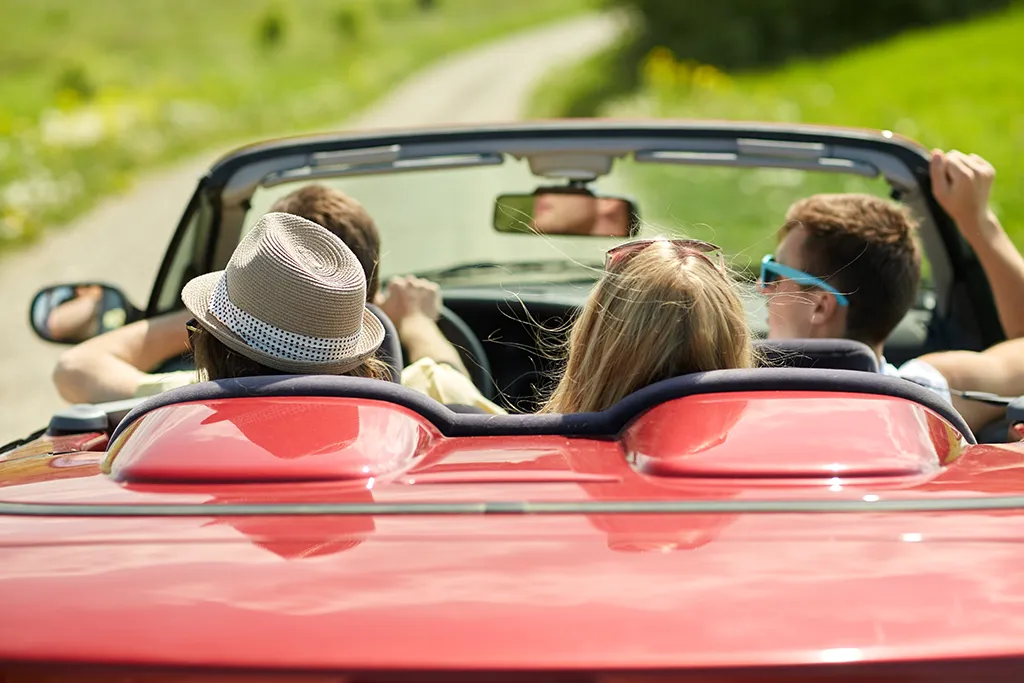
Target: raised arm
pixel 112 366
pixel 962 184
pixel 414 304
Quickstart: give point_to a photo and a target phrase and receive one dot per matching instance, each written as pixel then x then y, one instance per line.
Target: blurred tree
pixel 745 33
pixel 352 22
pixel 270 32
pixel 74 78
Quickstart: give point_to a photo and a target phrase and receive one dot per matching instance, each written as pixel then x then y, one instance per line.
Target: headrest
pixel 390 350
pixel 823 354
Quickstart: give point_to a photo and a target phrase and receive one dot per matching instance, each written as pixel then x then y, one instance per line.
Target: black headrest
pixel 391 348
pixel 823 354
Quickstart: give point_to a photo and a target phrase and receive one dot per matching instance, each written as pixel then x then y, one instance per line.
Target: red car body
pixel 775 531
pixel 487 554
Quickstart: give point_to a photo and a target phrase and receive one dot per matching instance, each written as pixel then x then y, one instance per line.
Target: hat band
pixel 274 341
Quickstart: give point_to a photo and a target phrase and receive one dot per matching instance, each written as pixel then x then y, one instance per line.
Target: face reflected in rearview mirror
pixel 69 314
pixel 564 214
pixel 566 211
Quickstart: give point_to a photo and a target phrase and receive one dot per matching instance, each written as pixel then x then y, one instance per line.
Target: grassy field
pixel 960 87
pixel 95 91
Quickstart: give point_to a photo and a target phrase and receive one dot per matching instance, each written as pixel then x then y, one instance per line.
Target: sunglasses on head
pixel 772 271
pixel 191 326
pixel 705 250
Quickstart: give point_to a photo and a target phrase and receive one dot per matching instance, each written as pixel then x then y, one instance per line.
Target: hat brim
pixel 196 296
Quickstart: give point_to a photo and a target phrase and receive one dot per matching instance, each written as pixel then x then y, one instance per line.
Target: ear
pixel 826 308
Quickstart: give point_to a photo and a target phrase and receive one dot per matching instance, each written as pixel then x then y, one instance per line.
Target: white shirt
pixel 919 372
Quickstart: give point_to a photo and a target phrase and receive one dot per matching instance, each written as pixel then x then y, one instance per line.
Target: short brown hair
pixel 214 360
pixel 865 247
pixel 343 216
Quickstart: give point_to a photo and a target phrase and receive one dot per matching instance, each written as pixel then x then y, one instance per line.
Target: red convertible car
pixel 813 522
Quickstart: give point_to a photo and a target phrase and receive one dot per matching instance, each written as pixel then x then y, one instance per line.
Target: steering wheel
pixel 471 351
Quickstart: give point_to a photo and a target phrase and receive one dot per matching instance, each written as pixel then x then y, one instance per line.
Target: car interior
pixel 509 316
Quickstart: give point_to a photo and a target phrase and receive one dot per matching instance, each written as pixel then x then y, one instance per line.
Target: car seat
pixel 824 354
pixel 391 348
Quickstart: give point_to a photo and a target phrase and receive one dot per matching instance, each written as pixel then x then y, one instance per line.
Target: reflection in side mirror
pixel 68 314
pixel 566 211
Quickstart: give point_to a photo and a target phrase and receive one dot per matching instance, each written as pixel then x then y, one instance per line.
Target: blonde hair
pixel 660 314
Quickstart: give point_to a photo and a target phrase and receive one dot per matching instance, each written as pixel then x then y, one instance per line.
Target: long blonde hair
pixel 660 314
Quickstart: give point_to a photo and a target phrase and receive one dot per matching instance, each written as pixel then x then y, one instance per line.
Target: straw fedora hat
pixel 293 298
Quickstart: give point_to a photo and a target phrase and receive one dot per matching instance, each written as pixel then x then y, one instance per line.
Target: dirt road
pixel 123 239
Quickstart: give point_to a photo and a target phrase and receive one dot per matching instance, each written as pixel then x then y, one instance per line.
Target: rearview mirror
pixel 566 211
pixel 72 313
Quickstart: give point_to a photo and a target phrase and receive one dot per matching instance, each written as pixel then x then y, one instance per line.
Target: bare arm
pixel 962 184
pixel 1004 268
pixel 997 370
pixel 111 366
pixel 413 304
pixel 423 339
pixel 76 318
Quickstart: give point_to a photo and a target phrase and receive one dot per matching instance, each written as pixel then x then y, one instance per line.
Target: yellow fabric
pixel 114 318
pixel 445 384
pixel 439 381
pixel 160 382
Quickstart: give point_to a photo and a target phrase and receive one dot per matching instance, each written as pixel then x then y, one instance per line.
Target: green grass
pixel 959 86
pixel 95 91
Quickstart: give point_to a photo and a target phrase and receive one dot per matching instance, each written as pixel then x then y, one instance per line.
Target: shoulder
pixel 920 372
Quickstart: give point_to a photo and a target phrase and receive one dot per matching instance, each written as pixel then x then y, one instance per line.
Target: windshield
pixel 434 220
pixel 439 222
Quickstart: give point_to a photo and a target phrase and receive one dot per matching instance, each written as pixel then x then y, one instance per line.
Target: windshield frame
pixel 960 289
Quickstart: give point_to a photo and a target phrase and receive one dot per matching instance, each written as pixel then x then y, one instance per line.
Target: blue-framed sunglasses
pixel 772 270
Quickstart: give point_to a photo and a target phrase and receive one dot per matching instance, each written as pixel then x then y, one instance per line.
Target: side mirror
pixel 566 211
pixel 72 313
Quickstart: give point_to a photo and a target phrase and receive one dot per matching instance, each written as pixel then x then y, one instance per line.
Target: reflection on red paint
pixel 276 439
pixel 797 434
pixel 48 467
pixel 308 536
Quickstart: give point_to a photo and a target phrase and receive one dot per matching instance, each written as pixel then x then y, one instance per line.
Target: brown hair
pixel 216 361
pixel 865 247
pixel 657 316
pixel 343 216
